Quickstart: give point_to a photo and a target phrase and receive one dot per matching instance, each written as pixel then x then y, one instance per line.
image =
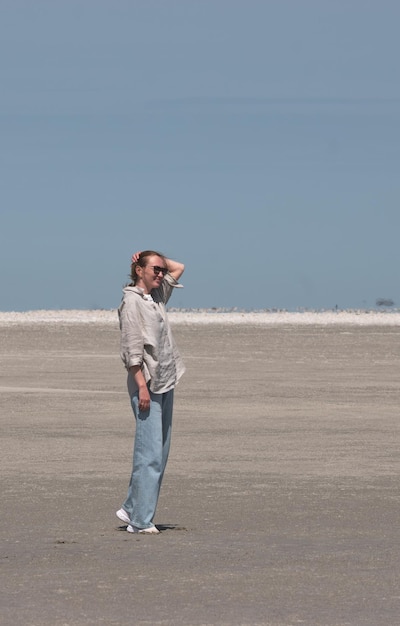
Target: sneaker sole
pixel 143 531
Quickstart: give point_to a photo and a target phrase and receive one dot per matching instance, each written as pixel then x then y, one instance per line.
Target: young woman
pixel 154 367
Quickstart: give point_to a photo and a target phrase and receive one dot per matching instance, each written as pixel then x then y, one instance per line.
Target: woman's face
pixel 150 277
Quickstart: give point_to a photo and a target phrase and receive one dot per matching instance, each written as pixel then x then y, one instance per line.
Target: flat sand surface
pixel 280 504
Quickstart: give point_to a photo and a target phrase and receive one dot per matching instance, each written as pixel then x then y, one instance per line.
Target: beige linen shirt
pixel 146 337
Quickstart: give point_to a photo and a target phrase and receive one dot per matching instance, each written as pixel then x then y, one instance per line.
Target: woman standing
pixel 154 367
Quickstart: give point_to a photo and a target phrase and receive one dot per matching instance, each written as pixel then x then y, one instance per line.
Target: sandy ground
pixel 280 504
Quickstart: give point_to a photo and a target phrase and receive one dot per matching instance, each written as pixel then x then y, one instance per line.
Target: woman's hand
pixel 144 399
pixel 135 256
pixel 144 394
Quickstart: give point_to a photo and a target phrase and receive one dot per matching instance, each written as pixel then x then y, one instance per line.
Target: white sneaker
pixel 148 531
pixel 123 516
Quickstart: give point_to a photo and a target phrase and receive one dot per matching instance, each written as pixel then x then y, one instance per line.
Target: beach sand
pixel 280 504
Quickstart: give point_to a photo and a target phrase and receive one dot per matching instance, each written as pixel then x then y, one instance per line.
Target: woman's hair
pixel 142 262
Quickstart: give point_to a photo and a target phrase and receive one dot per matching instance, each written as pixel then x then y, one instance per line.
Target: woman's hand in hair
pixel 135 256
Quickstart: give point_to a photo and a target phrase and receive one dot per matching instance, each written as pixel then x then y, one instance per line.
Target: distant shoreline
pixel 211 316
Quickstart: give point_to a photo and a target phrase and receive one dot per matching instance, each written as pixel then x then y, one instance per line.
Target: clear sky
pixel 257 141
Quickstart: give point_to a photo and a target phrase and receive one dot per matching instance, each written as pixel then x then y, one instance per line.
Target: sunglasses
pixel 156 269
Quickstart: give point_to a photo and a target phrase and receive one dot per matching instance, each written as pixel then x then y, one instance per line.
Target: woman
pixel 154 367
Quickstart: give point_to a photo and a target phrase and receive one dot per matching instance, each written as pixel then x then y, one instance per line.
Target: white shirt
pixel 146 337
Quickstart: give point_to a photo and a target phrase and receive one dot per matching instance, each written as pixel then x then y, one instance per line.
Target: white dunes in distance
pixel 211 316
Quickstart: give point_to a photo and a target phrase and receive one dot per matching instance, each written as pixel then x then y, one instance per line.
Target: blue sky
pixel 258 141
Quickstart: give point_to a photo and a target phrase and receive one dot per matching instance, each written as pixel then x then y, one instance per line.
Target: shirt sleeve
pixel 164 292
pixel 132 342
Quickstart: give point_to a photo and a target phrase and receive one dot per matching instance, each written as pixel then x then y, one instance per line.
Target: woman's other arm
pixel 175 268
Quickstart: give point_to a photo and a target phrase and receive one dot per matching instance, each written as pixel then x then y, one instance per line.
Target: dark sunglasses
pixel 156 269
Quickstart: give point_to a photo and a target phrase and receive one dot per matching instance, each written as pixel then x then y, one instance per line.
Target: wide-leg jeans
pixel 150 455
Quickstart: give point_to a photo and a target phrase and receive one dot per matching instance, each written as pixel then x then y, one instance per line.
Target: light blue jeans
pixel 150 455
